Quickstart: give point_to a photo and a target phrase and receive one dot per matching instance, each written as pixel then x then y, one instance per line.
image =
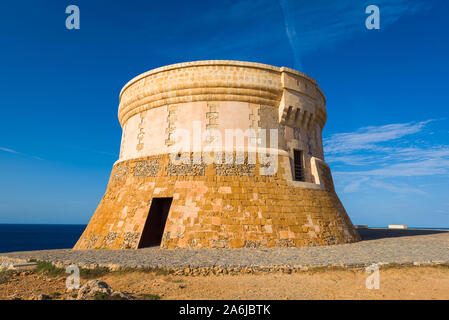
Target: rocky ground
pixel 378 246
pixel 395 283
pixel 413 265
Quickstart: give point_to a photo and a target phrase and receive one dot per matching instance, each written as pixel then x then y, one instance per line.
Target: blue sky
pixel 387 135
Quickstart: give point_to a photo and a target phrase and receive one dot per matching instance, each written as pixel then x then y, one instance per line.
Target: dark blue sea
pixel 26 237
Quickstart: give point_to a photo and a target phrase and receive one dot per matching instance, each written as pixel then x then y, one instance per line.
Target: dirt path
pixel 395 283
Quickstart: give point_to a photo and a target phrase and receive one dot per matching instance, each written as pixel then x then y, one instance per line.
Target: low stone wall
pixel 384 247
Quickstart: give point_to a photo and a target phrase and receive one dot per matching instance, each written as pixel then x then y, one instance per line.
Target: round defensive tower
pixel 270 187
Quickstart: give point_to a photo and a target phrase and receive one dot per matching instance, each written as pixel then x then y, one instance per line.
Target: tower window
pixel 298 165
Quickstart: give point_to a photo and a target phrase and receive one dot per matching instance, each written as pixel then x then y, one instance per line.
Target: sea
pixel 27 237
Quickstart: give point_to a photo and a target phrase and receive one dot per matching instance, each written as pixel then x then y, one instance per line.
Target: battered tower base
pixel 218 206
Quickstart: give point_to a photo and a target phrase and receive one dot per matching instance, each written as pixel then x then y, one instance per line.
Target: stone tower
pixel 215 194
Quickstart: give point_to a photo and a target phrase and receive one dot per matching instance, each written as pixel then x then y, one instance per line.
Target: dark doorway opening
pixel 298 165
pixel 155 224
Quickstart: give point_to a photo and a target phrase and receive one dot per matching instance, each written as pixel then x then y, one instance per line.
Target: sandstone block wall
pixel 214 208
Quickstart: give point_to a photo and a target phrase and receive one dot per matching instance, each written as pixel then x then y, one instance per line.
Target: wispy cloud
pixel 367 137
pixel 436 166
pixel 310 25
pixel 290 30
pixel 354 185
pixel 378 156
pixel 396 189
pixel 229 29
pixel 9 150
pixel 306 26
pixel 12 151
pixel 110 154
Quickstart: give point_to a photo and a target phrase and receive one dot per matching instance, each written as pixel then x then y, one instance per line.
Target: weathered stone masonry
pixel 220 205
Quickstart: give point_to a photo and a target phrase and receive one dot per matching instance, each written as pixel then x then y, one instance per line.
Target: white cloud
pixel 407 169
pixel 9 150
pixel 386 152
pixel 312 24
pixel 92 151
pixel 18 153
pixel 396 189
pixel 306 25
pixel 354 186
pixel 353 160
pixel 367 137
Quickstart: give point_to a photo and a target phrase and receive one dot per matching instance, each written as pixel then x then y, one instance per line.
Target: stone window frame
pixel 315 173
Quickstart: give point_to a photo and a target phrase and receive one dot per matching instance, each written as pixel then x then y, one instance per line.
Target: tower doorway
pixel 155 224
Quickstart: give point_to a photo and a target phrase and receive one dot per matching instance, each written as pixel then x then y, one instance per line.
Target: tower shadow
pixel 374 233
